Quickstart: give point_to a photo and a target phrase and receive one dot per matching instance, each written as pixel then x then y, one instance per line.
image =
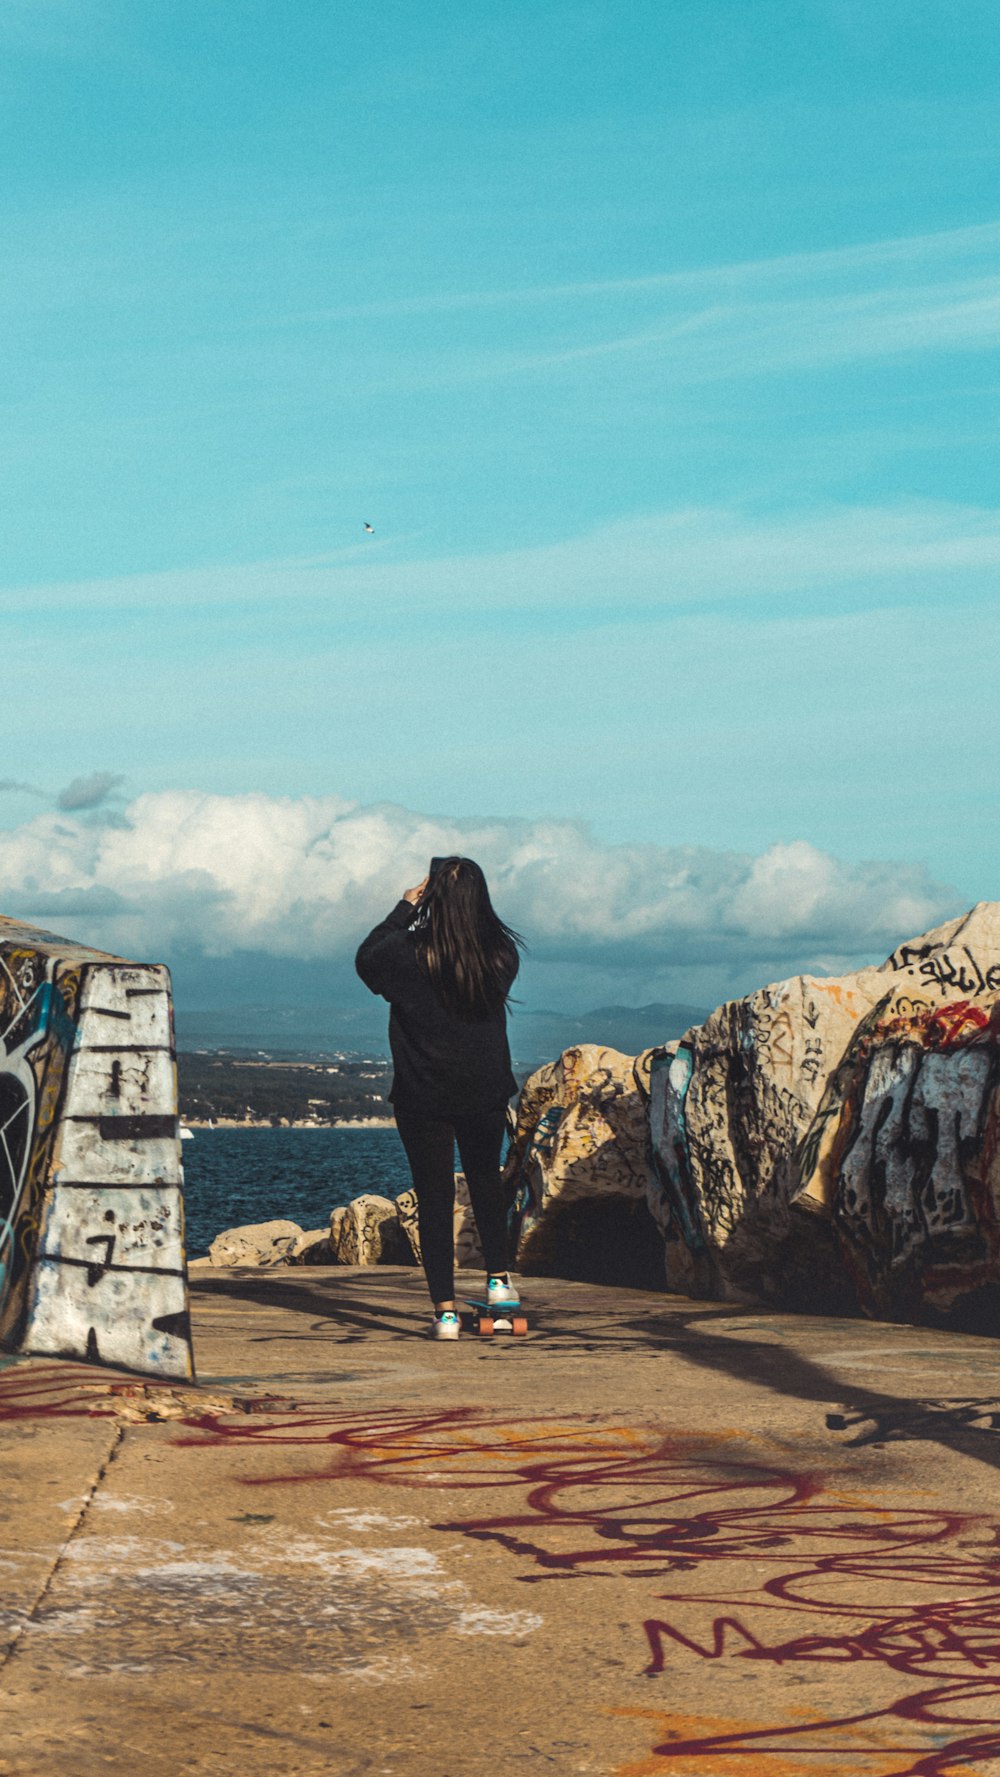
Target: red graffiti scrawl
pixel 882 1619
pixel 894 1609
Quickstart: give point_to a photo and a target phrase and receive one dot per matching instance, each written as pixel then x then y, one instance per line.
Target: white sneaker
pixel 500 1292
pixel 446 1325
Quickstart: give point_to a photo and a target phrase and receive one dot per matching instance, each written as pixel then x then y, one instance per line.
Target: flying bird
pixel 370 528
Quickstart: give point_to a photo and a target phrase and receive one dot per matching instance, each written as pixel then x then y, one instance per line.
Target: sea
pixel 235 1176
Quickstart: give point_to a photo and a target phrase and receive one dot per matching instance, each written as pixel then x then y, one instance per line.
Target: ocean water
pixel 232 1176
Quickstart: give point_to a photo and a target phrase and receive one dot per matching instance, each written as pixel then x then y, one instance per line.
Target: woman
pixel 446 963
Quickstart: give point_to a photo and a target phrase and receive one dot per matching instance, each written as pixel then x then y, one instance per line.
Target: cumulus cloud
pixel 306 877
pixel 90 791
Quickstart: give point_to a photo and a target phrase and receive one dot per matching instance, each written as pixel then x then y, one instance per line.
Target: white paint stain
pixel 347 1518
pixel 287 1587
pixel 480 1619
pixel 147 1508
pixel 110 1552
pixel 383 1669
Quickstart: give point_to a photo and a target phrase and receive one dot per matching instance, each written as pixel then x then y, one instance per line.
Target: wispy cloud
pixel 658 562
pixel 10 786
pixel 54 27
pixel 90 791
pixel 916 254
pixel 82 793
pixel 924 293
pixel 756 338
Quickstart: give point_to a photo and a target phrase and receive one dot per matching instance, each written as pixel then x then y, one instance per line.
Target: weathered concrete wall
pixel 91 1185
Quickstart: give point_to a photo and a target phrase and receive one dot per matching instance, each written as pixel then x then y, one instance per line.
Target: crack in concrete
pixel 74 1530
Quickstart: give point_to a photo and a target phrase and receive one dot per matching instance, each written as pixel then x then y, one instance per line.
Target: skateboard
pixel 487 1320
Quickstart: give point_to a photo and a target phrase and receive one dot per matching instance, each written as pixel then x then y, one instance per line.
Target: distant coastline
pixel 293 1123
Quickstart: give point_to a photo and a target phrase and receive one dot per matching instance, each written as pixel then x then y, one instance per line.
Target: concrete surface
pixel 655 1538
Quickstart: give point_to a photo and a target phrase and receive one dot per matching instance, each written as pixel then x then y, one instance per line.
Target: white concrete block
pixel 120 1084
pixel 82 1153
pixel 144 1226
pixel 112 1320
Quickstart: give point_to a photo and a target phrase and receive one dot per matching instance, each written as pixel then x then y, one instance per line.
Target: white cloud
pixel 306 877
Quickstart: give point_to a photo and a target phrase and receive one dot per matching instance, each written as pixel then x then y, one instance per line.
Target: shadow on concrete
pixel 968 1425
pixel 333 1305
pixel 568 1320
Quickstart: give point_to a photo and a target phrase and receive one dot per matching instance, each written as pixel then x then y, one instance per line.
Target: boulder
pixel 754 1112
pixel 367 1231
pixel 406 1248
pixel 406 1215
pixel 468 1252
pixel 903 1156
pixel 311 1248
pixel 259 1243
pixel 582 1138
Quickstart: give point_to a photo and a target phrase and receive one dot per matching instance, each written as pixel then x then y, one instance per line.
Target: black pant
pixel 430 1149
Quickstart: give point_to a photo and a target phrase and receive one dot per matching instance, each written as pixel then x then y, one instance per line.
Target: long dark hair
pixel 468 952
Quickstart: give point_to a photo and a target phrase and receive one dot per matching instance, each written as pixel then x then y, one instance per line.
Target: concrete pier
pixel 655 1538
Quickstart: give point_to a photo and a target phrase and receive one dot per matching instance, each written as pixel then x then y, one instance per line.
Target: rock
pixel 259 1243
pixel 406 1216
pixel 581 1135
pixel 311 1248
pixel 751 1116
pixel 904 1157
pixel 389 1232
pixel 468 1252
pixel 824 1143
pixel 367 1231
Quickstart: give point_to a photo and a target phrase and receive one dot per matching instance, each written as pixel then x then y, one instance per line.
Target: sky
pixel 657 344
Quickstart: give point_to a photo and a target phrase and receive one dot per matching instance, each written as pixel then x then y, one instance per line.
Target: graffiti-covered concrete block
pixel 133 1317
pixel 91 1186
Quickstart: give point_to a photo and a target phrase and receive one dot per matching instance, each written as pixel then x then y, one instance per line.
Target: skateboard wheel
pixel 519 1324
pixel 485 1326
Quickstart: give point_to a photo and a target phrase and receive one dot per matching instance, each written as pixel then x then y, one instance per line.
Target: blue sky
pixel 658 344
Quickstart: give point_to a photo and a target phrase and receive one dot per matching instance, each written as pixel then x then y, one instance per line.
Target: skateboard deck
pixel 487 1320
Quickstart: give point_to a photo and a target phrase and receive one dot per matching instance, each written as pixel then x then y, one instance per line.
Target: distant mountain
pixel 534 1036
pixel 290 1029
pixel 541 1036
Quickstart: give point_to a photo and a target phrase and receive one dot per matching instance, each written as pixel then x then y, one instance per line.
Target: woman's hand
pixel 413 895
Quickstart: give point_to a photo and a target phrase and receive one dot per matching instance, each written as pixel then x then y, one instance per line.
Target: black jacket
pixel 444 1066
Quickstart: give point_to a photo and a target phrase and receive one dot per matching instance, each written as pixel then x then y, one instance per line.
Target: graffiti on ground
pixel 896 1608
pixel 888 1612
